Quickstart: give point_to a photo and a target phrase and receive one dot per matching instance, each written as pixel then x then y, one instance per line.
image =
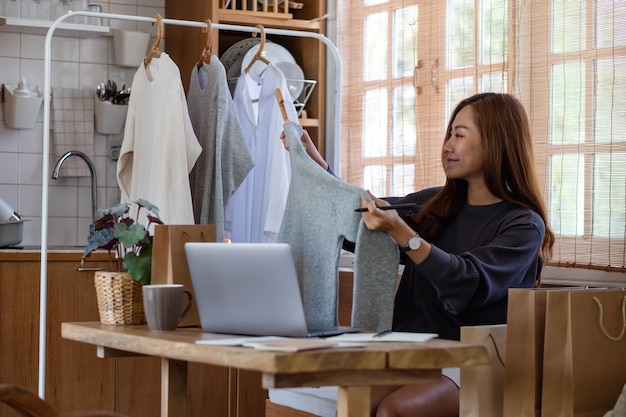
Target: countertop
pixel 55 253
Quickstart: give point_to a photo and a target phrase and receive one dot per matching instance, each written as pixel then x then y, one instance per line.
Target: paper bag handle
pixel 601 319
pixel 495 346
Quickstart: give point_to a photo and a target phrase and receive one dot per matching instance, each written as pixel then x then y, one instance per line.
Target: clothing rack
pixel 332 157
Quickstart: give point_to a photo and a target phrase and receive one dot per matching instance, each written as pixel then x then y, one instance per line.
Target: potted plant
pixel 126 231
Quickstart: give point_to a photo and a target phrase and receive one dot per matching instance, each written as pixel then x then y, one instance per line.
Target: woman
pixel 483 232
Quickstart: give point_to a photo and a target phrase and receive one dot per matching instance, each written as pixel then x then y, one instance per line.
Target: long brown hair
pixel 509 165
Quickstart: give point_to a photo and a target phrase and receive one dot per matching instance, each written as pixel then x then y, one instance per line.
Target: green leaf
pixel 129 236
pixel 116 210
pixel 99 239
pixel 140 266
pixel 148 205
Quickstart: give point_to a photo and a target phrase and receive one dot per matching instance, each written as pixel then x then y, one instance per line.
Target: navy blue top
pixel 465 279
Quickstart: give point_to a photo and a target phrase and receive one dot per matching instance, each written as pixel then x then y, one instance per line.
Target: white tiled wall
pixel 76 63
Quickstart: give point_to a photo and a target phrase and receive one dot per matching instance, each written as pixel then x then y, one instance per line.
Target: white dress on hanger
pixel 255 211
pixel 159 147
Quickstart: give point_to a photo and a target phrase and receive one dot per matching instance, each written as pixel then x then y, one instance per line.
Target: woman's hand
pixel 376 219
pixel 390 221
pixel 309 147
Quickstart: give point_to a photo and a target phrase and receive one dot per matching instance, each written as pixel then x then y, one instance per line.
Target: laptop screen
pixel 246 288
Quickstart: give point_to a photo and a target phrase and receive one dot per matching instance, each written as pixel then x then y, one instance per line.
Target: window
pixel 407 64
pixel 577 86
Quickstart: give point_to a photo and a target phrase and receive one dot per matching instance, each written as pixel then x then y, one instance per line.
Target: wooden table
pixel 354 370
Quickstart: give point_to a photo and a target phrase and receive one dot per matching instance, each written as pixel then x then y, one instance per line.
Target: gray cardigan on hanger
pixel 318 217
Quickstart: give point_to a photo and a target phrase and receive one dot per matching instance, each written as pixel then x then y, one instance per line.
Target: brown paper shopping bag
pixel 524 352
pixel 585 352
pixel 482 386
pixel 526 317
pixel 169 262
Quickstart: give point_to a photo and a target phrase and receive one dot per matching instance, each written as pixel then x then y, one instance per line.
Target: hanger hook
pixel 155 47
pixel 258 56
pixel 159 34
pixel 206 51
pixel 209 36
pixel 262 32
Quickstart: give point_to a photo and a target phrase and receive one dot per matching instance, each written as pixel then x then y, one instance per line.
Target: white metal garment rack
pixel 332 156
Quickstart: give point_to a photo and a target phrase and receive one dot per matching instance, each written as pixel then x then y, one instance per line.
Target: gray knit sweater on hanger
pixel 318 217
pixel 225 160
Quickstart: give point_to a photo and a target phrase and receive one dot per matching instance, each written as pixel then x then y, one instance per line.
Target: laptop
pixel 249 289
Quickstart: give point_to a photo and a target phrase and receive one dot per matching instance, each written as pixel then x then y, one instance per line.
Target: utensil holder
pixel 130 47
pixel 20 112
pixel 110 118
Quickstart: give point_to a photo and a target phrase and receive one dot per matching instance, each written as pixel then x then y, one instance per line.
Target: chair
pixel 28 404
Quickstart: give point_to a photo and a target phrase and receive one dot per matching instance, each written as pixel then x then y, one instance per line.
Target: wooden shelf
pixel 309 122
pixel 308 52
pixel 279 14
pixel 40 27
pixel 239 17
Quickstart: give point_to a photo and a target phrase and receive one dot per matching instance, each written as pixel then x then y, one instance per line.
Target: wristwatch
pixel 414 243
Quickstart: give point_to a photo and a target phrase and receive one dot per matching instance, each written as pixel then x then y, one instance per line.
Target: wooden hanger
pixel 257 56
pixel 206 52
pixel 155 48
pixel 281 104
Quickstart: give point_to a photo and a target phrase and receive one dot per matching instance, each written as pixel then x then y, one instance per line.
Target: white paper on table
pixel 260 341
pixel 247 341
pixel 389 337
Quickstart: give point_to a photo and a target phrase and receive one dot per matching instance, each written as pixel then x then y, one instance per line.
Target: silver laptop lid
pixel 246 288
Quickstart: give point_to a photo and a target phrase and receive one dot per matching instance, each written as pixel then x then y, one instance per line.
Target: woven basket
pixel 120 298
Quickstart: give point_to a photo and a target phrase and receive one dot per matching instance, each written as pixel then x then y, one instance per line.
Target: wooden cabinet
pixel 19 322
pixel 185 44
pixel 75 378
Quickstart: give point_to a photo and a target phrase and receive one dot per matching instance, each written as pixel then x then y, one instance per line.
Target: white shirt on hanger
pixel 256 209
pixel 159 147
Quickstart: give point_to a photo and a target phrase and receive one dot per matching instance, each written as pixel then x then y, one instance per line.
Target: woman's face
pixel 463 151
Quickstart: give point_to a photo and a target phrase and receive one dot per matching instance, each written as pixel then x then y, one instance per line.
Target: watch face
pixel 415 242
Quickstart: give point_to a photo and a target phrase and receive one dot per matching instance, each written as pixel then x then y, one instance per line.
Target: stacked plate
pixel 237 58
pixel 294 76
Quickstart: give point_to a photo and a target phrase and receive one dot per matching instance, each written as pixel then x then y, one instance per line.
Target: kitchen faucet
pixel 92 171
